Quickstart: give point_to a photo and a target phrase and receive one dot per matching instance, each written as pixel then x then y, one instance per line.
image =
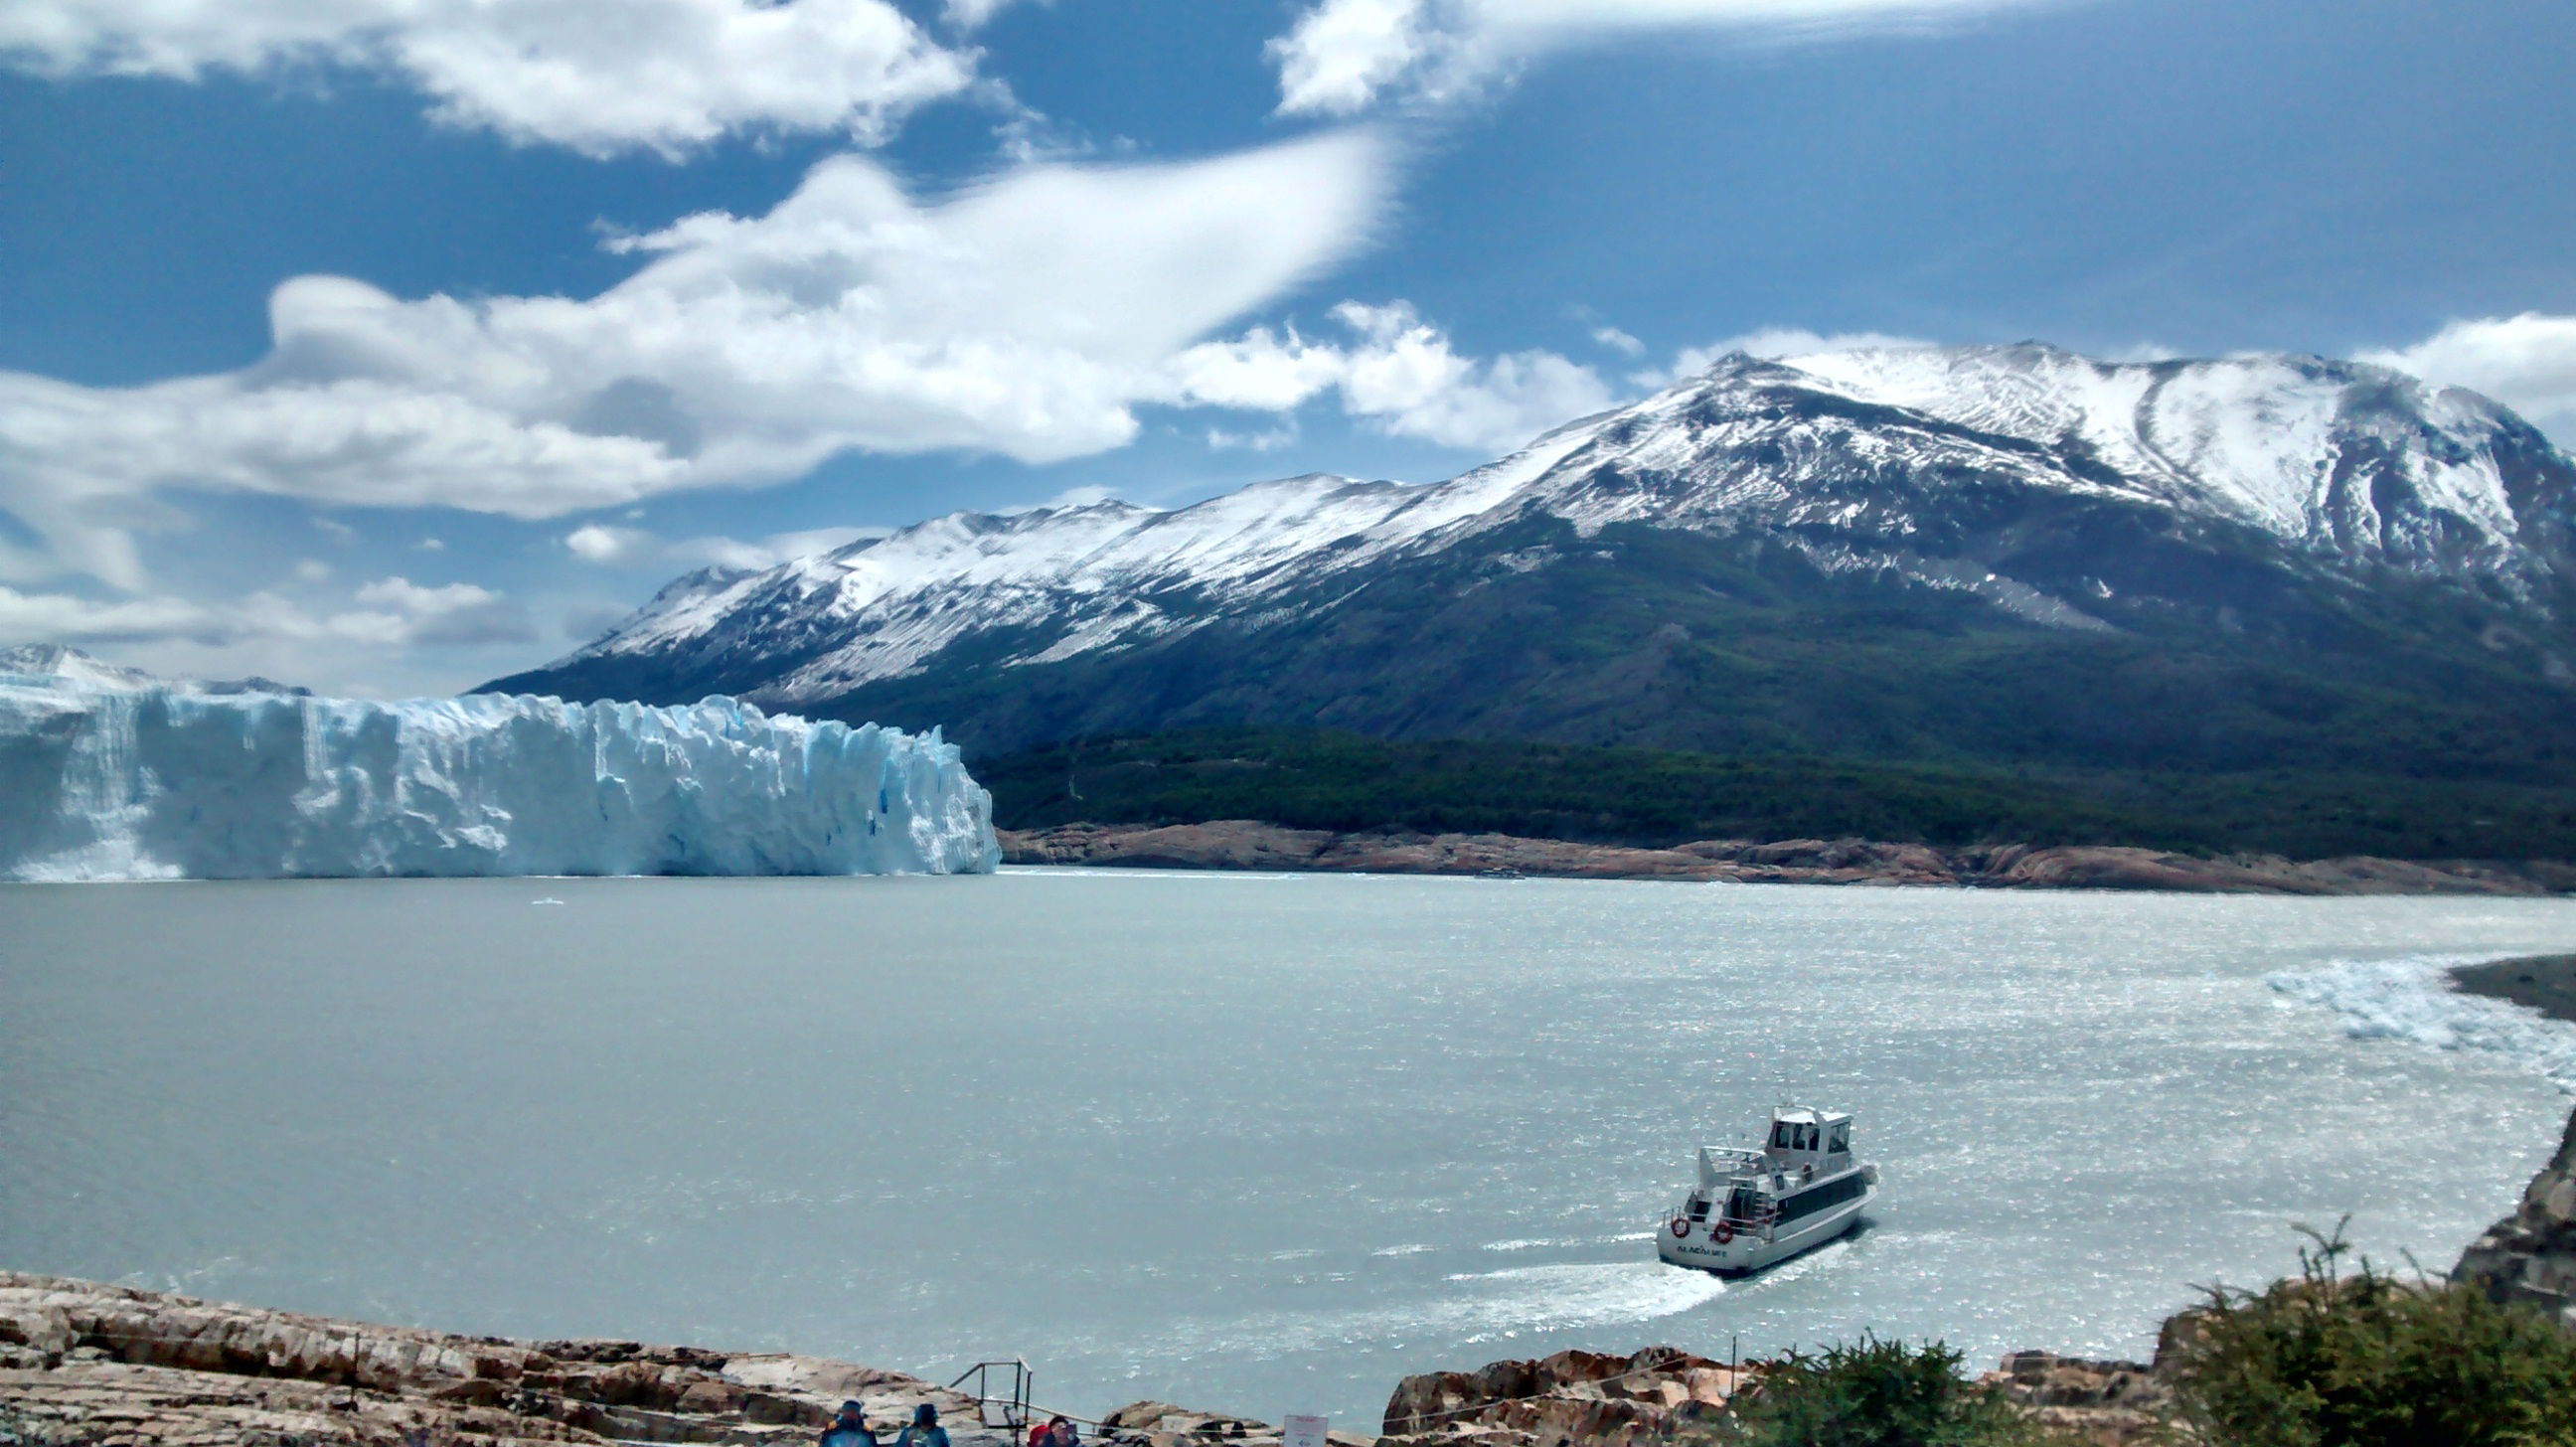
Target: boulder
pixel 1590 1397
pixel 2530 1256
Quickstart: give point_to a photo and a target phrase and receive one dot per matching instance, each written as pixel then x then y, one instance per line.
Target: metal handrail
pixel 1015 1407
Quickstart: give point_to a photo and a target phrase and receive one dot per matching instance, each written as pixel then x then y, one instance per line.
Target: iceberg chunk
pixel 157 783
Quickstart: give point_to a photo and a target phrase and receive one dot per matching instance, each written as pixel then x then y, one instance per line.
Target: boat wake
pixel 1479 1306
pixel 2412 999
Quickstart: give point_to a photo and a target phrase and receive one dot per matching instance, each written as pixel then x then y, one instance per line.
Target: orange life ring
pixel 1681 1226
pixel 1722 1233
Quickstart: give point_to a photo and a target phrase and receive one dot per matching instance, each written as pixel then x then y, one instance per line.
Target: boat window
pixel 1780 1134
pixel 1823 1198
pixel 1699 1209
pixel 1842 1137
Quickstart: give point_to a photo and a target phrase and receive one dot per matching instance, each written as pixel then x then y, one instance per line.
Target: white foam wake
pixel 2412 999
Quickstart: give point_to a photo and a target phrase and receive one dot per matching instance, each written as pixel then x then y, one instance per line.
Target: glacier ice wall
pixel 158 784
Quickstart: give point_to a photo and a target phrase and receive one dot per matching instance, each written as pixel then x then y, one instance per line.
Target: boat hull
pixel 1701 1250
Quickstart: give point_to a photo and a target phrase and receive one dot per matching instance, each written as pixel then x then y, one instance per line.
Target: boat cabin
pixel 1818 1138
pixel 1779 1181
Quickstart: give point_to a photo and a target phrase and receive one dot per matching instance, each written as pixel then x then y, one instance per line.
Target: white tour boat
pixel 1754 1208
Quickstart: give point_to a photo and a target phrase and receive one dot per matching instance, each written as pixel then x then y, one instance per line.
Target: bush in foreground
pixel 1880 1394
pixel 2328 1359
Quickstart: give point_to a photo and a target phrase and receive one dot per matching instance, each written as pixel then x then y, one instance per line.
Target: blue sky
pixel 391 346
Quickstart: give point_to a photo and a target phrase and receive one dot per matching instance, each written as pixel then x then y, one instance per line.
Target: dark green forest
pixel 1329 780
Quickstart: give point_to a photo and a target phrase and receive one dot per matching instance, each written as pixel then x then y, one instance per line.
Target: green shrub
pixel 2334 1360
pixel 1880 1394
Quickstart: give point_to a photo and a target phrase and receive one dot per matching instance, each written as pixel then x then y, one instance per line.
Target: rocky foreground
pixel 86 1363
pixel 1250 844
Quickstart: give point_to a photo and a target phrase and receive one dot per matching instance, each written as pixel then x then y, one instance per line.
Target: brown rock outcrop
pixel 2530 1256
pixel 2114 1404
pixel 1576 1396
pixel 1251 844
pixel 88 1363
pixel 1160 1424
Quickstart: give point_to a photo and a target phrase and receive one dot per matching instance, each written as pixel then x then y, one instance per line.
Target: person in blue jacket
pixel 850 1429
pixel 925 1430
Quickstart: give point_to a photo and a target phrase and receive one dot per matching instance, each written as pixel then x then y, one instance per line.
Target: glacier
pixel 122 783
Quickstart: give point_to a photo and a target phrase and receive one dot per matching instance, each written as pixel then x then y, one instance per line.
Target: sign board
pixel 1303 1431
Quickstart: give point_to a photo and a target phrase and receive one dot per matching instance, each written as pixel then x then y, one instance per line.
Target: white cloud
pixel 312 570
pixel 766 552
pixel 390 612
pixel 598 76
pixel 2527 362
pixel 1268 440
pixel 400 613
pixel 607 545
pixel 1770 344
pixel 1401 374
pixel 599 543
pixel 972 14
pixel 1026 317
pixel 1342 56
pixel 1618 341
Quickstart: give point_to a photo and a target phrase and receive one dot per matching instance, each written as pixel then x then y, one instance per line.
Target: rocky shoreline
pixel 1251 844
pixel 86 1363
pixel 2546 983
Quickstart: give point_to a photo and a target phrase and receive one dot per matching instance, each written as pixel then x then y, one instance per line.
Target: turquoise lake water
pixel 1254 1143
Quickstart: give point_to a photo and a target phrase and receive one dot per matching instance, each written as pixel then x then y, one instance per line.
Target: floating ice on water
pixel 2412 999
pixel 154 783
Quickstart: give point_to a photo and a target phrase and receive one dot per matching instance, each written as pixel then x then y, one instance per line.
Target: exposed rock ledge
pixel 91 1364
pixel 1663 1395
pixel 1249 844
pixel 2530 1256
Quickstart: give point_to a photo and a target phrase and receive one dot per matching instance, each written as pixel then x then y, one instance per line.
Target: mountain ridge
pixel 1985 554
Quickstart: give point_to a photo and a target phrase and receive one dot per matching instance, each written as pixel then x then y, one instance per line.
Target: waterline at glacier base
pixel 99 784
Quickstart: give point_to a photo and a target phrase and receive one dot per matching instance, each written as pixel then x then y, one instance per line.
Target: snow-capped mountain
pixel 2283 500
pixel 67 667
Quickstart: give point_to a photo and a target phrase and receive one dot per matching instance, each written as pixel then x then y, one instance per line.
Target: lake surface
pixel 1242 1142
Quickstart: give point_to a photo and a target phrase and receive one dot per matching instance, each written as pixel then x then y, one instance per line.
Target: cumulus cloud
pixel 1400 373
pixel 600 543
pixel 2527 362
pixel 1025 317
pixel 1343 56
pixel 390 612
pixel 598 76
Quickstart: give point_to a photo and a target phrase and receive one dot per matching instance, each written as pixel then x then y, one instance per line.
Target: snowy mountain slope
pixel 2053 491
pixel 2345 457
pixel 76 669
